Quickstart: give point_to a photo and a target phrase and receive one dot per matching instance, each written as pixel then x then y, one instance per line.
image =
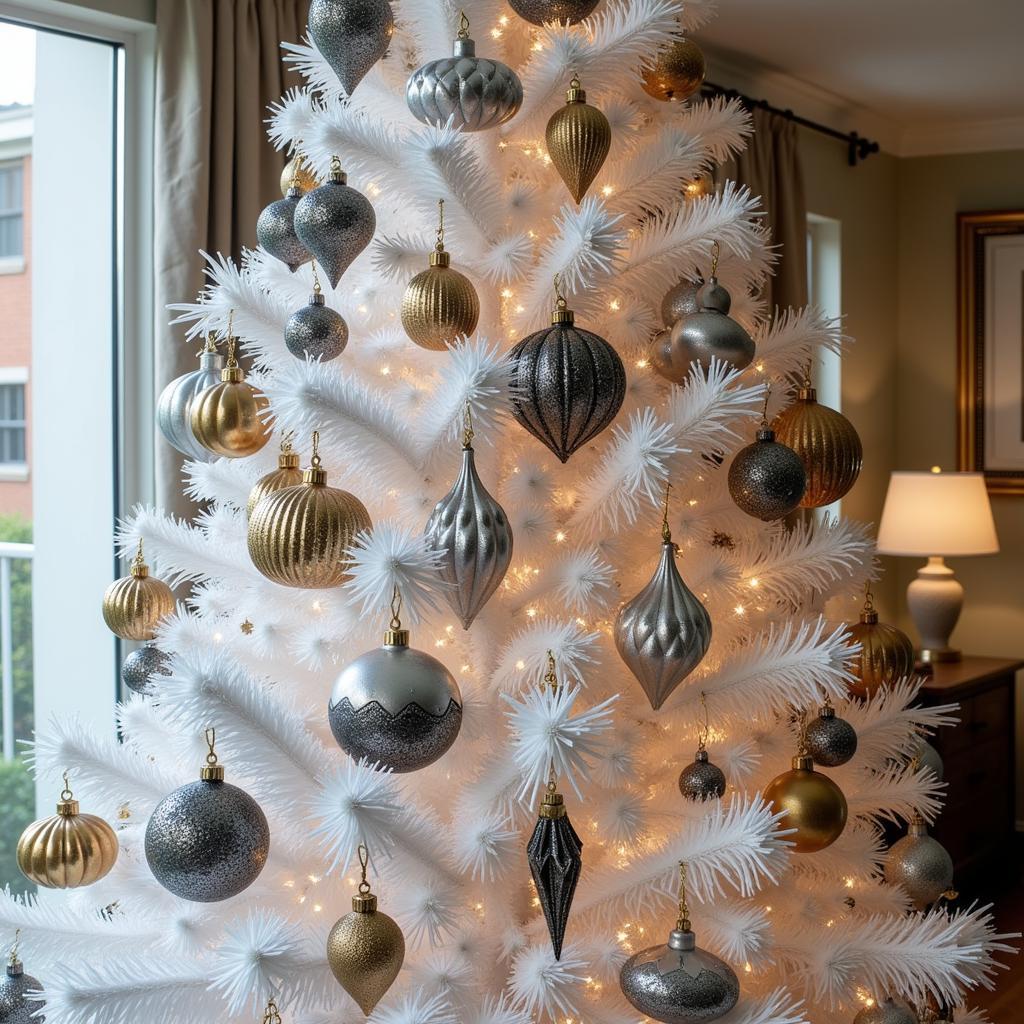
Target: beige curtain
pixel 218 66
pixel 770 166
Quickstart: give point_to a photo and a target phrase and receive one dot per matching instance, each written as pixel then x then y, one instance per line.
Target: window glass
pixel 12 423
pixel 11 201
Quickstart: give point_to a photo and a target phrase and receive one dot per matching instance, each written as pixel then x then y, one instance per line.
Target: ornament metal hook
pixel 764 407
pixel 396 608
pixel 296 169
pixel 439 244
pixel 286 441
pixel 467 428
pixel 138 562
pixel 65 793
pixel 716 252
pixel 705 734
pixel 315 461
pixel 869 598
pixel 560 300
pixel 211 736
pixel 12 959
pixel 683 921
pixel 666 532
pixel 364 859
pixel 463 25
pixel 550 679
pixel 317 290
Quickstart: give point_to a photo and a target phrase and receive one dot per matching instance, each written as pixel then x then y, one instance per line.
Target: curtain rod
pixel 857 147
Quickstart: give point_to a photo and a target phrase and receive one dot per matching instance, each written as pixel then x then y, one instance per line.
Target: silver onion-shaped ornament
pixel 316 331
pixel 680 300
pixel 140 668
pixel 920 864
pixel 335 222
pixel 396 706
pixel 174 406
pixel 352 35
pixel 702 779
pixel 476 92
pixel 767 479
pixel 19 994
pixel 887 1011
pixel 678 983
pixel 275 231
pixel 829 739
pixel 471 531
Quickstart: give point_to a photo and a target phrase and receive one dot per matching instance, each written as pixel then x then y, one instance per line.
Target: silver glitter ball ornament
pixel 275 231
pixel 174 406
pixel 546 12
pixel 475 92
pixel 568 384
pixel 678 983
pixel 663 633
pixel 471 531
pixel 680 300
pixel 929 757
pixel 208 840
pixel 352 35
pixel 17 1005
pixel 920 864
pixel 316 331
pixel 708 334
pixel 141 666
pixel 336 223
pixel 830 740
pixel 702 780
pixel 888 1011
pixel 396 706
pixel 767 479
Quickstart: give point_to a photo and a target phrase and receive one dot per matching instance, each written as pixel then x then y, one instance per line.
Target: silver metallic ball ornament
pixel 174 406
pixel 680 300
pixel 920 864
pixel 18 999
pixel 560 12
pixel 140 668
pixel 708 334
pixel 678 983
pixel 702 780
pixel 929 757
pixel 767 479
pixel 352 35
pixel 316 331
pixel 829 739
pixel 335 222
pixel 208 840
pixel 396 706
pixel 887 1011
pixel 477 93
pixel 275 231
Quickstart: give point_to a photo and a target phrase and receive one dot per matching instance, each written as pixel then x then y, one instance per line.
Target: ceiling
pixel 929 75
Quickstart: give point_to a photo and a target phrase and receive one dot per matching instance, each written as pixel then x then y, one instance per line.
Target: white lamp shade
pixel 937 514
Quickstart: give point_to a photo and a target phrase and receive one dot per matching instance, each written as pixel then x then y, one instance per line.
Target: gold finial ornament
pixel 228 418
pixel 578 137
pixel 366 948
pixel 287 474
pixel 300 536
pixel 68 850
pixel 440 306
pixel 886 653
pixel 677 71
pixel 134 604
pixel 298 174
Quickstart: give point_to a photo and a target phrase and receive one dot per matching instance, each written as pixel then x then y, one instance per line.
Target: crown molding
pixel 963 137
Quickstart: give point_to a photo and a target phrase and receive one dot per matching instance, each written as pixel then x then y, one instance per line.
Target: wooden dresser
pixel 978 821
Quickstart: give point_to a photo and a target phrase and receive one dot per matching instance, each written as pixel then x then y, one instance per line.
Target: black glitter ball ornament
pixel 831 740
pixel 767 479
pixel 567 383
pixel 702 780
pixel 141 666
pixel 208 840
pixel 17 1005
pixel 316 331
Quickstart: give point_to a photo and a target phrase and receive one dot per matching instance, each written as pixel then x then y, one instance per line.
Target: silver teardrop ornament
pixel 174 407
pixel 275 231
pixel 352 35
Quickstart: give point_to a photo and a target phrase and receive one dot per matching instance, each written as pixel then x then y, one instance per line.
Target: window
pixel 12 424
pixel 11 200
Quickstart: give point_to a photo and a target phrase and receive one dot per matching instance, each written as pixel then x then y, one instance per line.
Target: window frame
pixel 15 212
pixel 15 469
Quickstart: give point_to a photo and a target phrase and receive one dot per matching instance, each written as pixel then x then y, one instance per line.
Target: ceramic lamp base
pixel 935 598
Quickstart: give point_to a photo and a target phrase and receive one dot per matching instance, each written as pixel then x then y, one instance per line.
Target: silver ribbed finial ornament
pixel 830 740
pixel 316 331
pixel 471 531
pixel 664 632
pixel 19 992
pixel 920 864
pixel 335 222
pixel 275 229
pixel 476 92
pixel 887 1011
pixel 679 983
pixel 174 406
pixel 701 779
pixel 352 35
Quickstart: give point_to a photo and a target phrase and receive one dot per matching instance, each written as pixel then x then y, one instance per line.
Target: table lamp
pixel 934 515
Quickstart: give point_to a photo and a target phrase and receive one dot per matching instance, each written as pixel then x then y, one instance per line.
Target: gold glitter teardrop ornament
pixel 827 444
pixel 365 948
pixel 440 306
pixel 886 653
pixel 134 604
pixel 676 73
pixel 69 850
pixel 300 536
pixel 298 173
pixel 578 137
pixel 287 474
pixel 228 418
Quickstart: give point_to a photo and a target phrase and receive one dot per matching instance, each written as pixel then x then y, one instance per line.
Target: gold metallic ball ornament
pixel 69 850
pixel 287 474
pixel 228 418
pixel 134 604
pixel 827 444
pixel 886 653
pixel 300 536
pixel 366 948
pixel 810 802
pixel 676 73
pixel 578 137
pixel 297 173
pixel 440 306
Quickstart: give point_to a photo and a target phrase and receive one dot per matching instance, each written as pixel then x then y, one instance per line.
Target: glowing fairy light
pixel 560 537
pixel 520 665
pixel 615 305
pixel 642 364
pixel 739 609
pixel 607 190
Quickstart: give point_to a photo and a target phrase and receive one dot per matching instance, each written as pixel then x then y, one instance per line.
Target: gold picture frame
pixel 990 348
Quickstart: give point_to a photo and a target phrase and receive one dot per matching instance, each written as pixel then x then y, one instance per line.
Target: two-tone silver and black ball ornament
pixel 208 840
pixel 141 670
pixel 767 479
pixel 19 994
pixel 830 740
pixel 316 331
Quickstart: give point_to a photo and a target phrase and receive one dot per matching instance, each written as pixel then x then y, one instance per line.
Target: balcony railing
pixel 9 551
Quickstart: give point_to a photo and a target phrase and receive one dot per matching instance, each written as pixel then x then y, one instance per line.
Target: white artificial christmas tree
pixel 812 937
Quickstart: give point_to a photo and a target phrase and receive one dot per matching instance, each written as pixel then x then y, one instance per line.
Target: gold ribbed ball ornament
pixel 297 173
pixel 578 137
pixel 300 536
pixel 886 653
pixel 827 445
pixel 440 306
pixel 677 71
pixel 134 604
pixel 228 418
pixel 70 849
pixel 365 949
pixel 810 802
pixel 287 474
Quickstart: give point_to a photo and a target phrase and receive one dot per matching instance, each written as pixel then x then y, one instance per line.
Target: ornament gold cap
pixel 575 93
pixel 395 635
pixel 440 258
pixel 288 460
pixel 316 475
pixel 211 771
pixel 803 763
pixel 552 806
pixel 917 826
pixel 232 374
pixel 827 711
pixel 562 316
pixel 807 394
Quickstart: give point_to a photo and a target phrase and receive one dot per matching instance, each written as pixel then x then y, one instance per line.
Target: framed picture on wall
pixel 990 356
